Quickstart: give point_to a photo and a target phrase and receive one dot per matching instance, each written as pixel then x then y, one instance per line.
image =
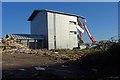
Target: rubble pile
pixel 65 54
pixel 12 46
pixel 105 44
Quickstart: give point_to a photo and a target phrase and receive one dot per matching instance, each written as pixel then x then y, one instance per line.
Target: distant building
pixel 56 30
pixel 32 41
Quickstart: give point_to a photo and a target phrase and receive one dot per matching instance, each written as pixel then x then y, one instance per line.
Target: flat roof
pixel 35 12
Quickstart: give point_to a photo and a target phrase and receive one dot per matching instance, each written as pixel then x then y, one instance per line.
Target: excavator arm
pixel 80 35
pixel 86 29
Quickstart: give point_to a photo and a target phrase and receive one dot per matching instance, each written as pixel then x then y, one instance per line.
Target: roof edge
pixel 35 12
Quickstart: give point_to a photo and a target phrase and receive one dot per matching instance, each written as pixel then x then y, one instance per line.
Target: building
pixel 32 41
pixel 50 29
pixel 58 28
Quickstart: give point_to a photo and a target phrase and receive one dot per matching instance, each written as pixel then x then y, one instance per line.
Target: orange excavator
pixel 83 24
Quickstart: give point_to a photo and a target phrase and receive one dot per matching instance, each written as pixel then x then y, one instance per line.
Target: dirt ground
pixel 22 66
pixel 21 63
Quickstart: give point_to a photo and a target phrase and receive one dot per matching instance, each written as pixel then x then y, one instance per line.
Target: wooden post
pixel 28 43
pixel 35 44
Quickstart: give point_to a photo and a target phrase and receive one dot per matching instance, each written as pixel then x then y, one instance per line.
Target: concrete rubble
pixel 38 68
pixel 12 47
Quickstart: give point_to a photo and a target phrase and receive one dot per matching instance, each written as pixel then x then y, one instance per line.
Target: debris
pixel 95 70
pixel 13 45
pixel 60 54
pixel 94 46
pixel 113 77
pixel 64 57
pixel 35 74
pixel 64 66
pixel 22 69
pixel 56 52
pixel 39 68
pixel 83 47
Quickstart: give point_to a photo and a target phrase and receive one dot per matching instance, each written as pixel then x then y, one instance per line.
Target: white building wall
pixel 50 31
pixel 73 41
pixel 62 32
pixel 59 26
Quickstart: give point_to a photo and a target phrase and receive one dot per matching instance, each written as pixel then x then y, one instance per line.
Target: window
pixel 73 32
pixel 72 22
pixel 31 40
pixel 23 40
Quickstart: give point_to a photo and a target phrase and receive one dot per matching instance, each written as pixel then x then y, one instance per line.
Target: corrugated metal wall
pixel 50 31
pixel 59 31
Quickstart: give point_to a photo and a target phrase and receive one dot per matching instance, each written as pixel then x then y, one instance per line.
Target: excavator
pixel 81 31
